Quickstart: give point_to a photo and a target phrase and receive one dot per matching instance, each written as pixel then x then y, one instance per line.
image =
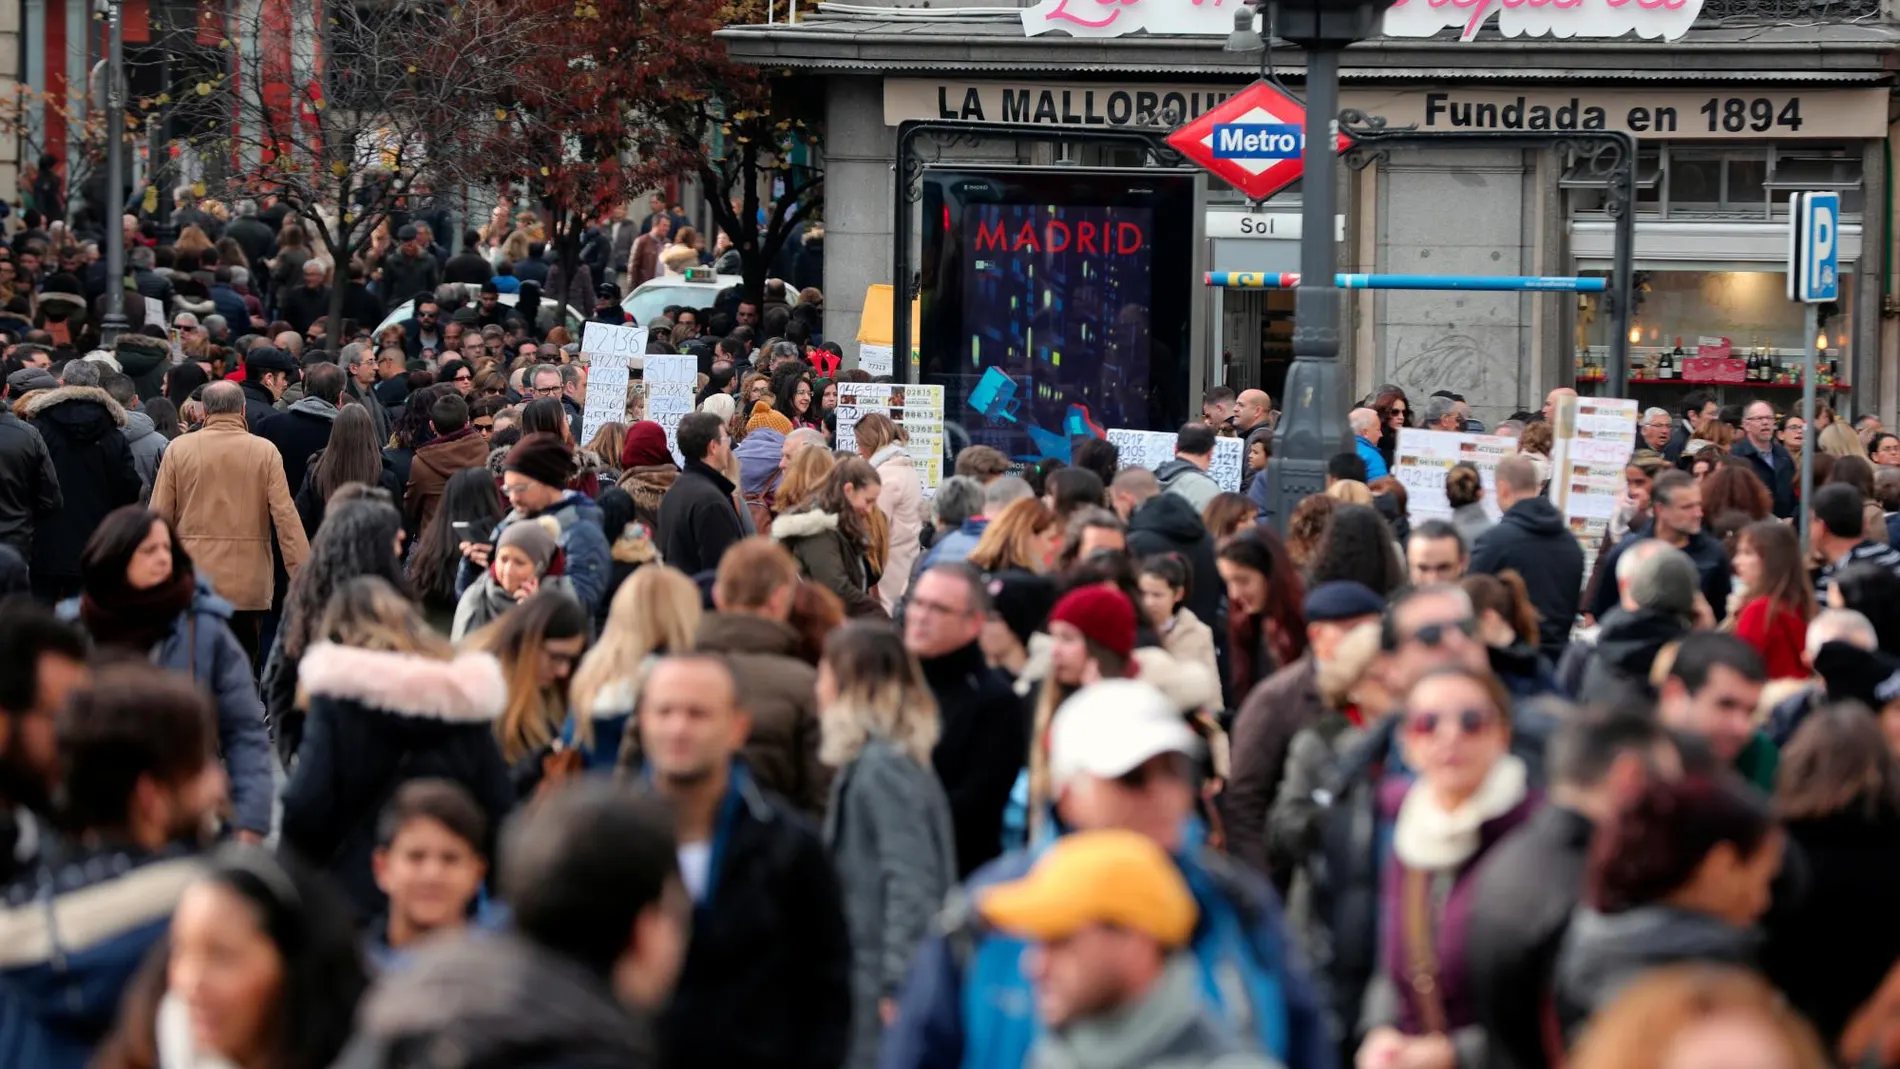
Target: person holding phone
pixel 526 559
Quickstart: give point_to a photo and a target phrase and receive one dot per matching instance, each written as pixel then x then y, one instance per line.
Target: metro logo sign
pixel 1255 140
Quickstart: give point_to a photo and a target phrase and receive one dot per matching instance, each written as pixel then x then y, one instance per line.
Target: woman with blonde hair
pixel 1838 439
pixel 832 536
pixel 514 248
pixel 538 643
pixel 888 823
pixel 1023 537
pixel 389 702
pixel 654 613
pixel 1695 1017
pixel 803 478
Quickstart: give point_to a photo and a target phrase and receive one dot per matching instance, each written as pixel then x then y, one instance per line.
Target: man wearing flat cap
pixel 1283 704
pixel 409 270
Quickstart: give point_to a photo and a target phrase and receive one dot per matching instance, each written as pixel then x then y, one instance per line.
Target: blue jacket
pixel 967 1004
pixel 201 645
pixel 583 543
pixel 955 547
pixel 1375 461
pixel 78 930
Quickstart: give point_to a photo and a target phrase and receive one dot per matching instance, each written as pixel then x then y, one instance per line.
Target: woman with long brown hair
pixel 538 644
pixel 1775 596
pixel 1395 413
pixel 1858 472
pixel 831 536
pixel 1023 537
pixel 1266 621
pixel 353 455
pixel 1507 622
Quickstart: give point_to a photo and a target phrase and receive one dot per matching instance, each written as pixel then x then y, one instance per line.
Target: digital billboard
pixel 1055 305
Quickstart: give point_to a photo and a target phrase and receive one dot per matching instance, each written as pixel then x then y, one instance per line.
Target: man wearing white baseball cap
pixel 1120 757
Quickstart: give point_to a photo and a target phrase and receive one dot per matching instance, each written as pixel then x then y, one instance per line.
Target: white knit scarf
pixel 1429 837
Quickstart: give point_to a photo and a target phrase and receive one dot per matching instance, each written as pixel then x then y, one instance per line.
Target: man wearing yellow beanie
pixel 1109 914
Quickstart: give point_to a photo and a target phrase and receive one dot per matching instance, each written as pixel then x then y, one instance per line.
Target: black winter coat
pixel 698 520
pixel 1781 479
pixel 299 436
pixel 1711 565
pixel 376 721
pixel 301 306
pixel 1829 951
pixel 1627 645
pixel 767 979
pixel 1526 892
pixel 1166 523
pixel 259 404
pixel 1533 538
pixel 29 487
pixel 82 427
pixel 980 750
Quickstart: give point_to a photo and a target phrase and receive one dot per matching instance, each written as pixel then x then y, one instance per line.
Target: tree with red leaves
pixel 626 96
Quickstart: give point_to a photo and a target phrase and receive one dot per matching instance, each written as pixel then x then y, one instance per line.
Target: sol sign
pixel 1255 140
pixel 1667 19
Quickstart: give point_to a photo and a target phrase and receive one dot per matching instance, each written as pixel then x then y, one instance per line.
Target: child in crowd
pixel 1165 581
pixel 430 860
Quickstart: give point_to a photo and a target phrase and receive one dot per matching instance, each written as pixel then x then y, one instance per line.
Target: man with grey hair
pixel 801 439
pixel 218 329
pixel 1532 538
pixel 782 353
pixel 544 380
pixel 1767 458
pixel 1657 590
pixel 979 750
pixel 83 429
pixel 148 281
pixel 1441 414
pixel 1829 626
pixel 1656 425
pixel 222 489
pixel 1365 432
pixel 955 546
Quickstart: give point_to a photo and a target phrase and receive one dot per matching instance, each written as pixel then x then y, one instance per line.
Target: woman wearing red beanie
pixel 1092 638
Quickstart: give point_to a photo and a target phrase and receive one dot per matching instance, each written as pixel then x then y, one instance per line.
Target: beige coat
pixel 221 487
pixel 902 502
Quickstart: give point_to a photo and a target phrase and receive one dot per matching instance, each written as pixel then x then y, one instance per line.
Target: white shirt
pixel 696 868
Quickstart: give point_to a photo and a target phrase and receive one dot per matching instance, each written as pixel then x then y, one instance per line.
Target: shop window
pixel 1688 305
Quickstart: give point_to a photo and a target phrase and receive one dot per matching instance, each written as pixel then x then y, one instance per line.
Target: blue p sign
pixel 1257 141
pixel 1814 260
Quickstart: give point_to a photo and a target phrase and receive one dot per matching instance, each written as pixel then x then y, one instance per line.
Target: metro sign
pixel 1255 140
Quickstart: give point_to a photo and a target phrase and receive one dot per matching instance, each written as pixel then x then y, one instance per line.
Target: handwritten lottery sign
pixel 917 409
pixel 1594 437
pixel 876 359
pixel 609 352
pixel 1424 459
pixel 670 383
pixel 1151 449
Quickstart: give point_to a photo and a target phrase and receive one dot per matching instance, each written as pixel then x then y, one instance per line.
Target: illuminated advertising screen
pixel 1055 306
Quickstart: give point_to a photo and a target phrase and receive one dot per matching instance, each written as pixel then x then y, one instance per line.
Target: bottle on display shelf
pixel 1664 368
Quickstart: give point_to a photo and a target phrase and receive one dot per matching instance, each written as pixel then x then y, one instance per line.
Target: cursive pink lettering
pixel 1062 13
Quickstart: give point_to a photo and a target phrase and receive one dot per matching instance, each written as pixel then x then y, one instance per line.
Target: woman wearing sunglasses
pixel 1455 732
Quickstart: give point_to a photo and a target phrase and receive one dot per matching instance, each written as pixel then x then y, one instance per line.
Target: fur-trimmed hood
pixel 35 405
pixel 468 689
pixel 803 524
pixel 82 414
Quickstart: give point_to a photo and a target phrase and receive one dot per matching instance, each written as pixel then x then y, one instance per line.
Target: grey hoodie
pixel 148 448
pixel 1169 1028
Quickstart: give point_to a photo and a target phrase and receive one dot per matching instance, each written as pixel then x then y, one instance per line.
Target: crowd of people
pixel 355 710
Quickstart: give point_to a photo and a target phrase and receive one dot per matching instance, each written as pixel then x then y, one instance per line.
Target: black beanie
pixel 543 457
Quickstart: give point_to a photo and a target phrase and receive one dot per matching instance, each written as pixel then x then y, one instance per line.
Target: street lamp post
pixel 1313 416
pixel 114 323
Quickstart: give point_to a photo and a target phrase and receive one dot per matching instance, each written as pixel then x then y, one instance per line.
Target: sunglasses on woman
pixel 1470 722
pixel 1434 635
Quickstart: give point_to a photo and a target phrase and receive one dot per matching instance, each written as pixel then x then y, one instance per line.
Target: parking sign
pixel 1814 247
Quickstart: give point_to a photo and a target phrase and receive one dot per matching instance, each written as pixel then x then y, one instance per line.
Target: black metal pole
pixel 1313 415
pixel 114 323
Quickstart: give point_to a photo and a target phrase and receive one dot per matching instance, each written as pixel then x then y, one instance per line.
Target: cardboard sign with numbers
pixel 918 409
